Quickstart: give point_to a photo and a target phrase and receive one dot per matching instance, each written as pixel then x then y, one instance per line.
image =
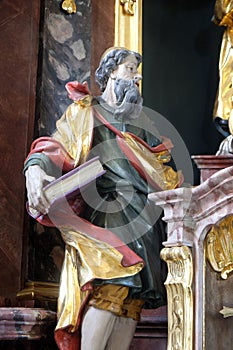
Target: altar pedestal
pixel 26 328
pixel 151 331
pixel 195 226
pixel 210 164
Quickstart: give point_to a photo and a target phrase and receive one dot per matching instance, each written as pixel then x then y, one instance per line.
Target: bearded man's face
pixel 129 100
pixel 126 89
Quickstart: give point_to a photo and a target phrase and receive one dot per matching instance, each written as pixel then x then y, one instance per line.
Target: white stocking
pixel 102 330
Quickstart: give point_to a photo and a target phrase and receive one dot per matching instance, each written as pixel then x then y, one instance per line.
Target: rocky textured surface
pixel 65 55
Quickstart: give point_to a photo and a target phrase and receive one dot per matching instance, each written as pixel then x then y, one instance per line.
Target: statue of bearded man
pixel 112 266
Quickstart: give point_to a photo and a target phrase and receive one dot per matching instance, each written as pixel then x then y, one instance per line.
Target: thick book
pixel 72 183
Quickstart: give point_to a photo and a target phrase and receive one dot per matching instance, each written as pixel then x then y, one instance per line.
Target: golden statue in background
pixel 223 109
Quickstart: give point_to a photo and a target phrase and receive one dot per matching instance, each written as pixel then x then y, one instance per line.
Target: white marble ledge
pixel 189 210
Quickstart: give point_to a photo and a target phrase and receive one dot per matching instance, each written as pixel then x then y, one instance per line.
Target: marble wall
pixel 19 23
pixel 65 55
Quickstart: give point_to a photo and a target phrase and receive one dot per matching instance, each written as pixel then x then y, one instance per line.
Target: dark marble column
pixel 65 55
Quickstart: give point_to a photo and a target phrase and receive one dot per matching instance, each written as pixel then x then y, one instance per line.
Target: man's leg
pixel 102 330
pixel 111 317
pixel 122 334
pixel 97 325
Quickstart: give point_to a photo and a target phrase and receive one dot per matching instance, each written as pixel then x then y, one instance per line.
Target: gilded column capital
pixel 128 6
pixel 180 298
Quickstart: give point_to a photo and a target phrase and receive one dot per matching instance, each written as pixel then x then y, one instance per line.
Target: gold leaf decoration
pixel 128 6
pixel 69 6
pixel 219 247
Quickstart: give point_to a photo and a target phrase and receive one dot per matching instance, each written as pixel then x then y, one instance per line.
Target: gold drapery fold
pixel 75 133
pixel 85 259
pixel 153 163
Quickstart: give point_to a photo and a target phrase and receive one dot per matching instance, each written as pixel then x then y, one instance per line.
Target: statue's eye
pixel 130 68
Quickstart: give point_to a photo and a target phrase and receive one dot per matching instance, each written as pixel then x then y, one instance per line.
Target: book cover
pixel 69 185
pixel 72 182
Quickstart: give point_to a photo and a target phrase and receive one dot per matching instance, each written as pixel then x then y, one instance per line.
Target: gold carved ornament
pixel 219 252
pixel 180 297
pixel 69 6
pixel 128 6
pixel 219 247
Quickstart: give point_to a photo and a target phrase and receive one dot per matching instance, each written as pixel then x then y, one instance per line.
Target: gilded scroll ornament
pixel 180 298
pixel 219 252
pixel 219 247
pixel 69 6
pixel 128 6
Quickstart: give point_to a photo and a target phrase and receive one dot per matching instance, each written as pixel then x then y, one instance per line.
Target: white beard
pixel 129 100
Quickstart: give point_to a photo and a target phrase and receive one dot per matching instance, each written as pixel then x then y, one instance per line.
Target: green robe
pixel 122 207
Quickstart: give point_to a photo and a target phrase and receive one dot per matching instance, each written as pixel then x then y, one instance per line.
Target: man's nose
pixel 137 77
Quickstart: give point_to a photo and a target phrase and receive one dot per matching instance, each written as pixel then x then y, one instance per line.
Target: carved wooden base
pixel 151 332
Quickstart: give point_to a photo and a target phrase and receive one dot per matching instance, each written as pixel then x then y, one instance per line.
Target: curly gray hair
pixel 109 63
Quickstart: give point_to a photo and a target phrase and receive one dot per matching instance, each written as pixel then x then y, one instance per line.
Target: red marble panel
pixel 19 26
pixel 102 35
